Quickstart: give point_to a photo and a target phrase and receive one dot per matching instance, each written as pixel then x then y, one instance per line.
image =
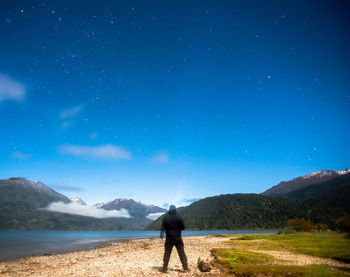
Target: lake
pixel 16 244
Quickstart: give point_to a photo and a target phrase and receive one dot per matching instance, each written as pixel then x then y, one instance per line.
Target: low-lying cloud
pixel 107 151
pixel 189 200
pixel 11 89
pixel 84 210
pixel 154 216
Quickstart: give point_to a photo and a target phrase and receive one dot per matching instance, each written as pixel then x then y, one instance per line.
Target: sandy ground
pixel 143 257
pixel 290 258
pixel 302 259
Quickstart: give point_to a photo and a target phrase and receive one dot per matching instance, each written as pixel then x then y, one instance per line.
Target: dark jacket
pixel 172 224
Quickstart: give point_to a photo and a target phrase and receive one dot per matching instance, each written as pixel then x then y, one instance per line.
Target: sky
pixel 166 102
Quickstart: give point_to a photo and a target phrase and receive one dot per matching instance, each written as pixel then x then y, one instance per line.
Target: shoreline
pixel 77 249
pixel 131 257
pixel 49 248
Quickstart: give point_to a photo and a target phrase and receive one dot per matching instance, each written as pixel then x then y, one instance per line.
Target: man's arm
pixel 162 228
pixel 182 224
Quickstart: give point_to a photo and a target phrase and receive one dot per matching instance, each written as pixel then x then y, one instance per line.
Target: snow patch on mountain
pixel 78 201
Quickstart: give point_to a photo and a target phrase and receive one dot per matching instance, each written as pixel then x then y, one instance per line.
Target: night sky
pixel 168 101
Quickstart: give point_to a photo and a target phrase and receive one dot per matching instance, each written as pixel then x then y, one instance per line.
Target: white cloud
pixel 71 112
pixel 107 151
pixel 154 216
pixel 84 210
pixel 66 124
pixel 19 155
pixel 93 136
pixel 11 89
pixel 161 158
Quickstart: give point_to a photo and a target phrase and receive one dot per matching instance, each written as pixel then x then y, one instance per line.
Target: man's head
pixel 172 209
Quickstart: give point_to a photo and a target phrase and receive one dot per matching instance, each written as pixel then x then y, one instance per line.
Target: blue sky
pixel 166 101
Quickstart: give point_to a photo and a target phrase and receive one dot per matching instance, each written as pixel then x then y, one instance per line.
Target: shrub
pixel 322 227
pixel 344 223
pixel 301 224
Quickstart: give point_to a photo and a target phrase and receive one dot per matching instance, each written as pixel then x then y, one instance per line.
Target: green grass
pixel 241 256
pixel 239 260
pixel 245 263
pixel 320 244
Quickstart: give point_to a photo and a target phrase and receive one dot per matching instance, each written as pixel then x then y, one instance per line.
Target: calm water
pixel 15 244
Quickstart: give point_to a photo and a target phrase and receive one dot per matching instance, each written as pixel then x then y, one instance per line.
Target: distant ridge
pixel 22 200
pixel 136 209
pixel 313 178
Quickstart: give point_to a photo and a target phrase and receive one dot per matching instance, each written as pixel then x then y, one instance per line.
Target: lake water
pixel 16 244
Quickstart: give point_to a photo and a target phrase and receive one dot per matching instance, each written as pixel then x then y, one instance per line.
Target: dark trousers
pixel 169 243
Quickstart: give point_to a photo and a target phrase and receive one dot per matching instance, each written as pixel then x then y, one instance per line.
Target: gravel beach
pixel 141 257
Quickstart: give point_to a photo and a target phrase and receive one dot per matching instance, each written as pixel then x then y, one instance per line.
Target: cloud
pixel 11 89
pixel 66 124
pixel 68 188
pixel 161 158
pixel 187 201
pixel 107 151
pixel 154 216
pixel 93 136
pixel 84 210
pixel 71 112
pixel 68 115
pixel 19 155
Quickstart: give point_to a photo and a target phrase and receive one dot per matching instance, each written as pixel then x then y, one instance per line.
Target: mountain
pixel 333 194
pixel 34 193
pixel 238 211
pixel 313 178
pixel 78 200
pixel 21 200
pixel 321 197
pixel 136 209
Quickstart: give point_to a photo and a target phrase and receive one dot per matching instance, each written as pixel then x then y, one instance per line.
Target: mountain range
pixel 135 209
pixel 23 205
pixel 321 197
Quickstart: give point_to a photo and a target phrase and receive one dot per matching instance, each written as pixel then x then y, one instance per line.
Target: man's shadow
pixel 160 269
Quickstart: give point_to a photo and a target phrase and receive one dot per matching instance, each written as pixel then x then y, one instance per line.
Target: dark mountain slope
pixel 238 211
pixel 35 194
pixel 331 194
pixel 313 178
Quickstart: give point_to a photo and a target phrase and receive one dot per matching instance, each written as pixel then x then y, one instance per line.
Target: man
pixel 173 224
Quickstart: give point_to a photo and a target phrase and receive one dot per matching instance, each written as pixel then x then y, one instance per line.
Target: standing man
pixel 173 224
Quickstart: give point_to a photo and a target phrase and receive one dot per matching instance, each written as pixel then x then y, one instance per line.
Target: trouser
pixel 169 243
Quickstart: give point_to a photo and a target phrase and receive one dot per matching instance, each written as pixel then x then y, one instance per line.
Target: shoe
pixel 164 270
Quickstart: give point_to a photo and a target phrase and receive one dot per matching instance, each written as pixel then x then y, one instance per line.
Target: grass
pixel 239 260
pixel 321 244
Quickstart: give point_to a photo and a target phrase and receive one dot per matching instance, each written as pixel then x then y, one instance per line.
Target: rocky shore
pixel 141 257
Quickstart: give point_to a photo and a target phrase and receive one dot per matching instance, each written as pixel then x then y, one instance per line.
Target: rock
pixel 203 265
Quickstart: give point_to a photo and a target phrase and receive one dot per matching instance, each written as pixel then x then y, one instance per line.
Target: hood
pixel 172 210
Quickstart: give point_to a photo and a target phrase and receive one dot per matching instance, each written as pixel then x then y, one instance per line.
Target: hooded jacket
pixel 172 224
